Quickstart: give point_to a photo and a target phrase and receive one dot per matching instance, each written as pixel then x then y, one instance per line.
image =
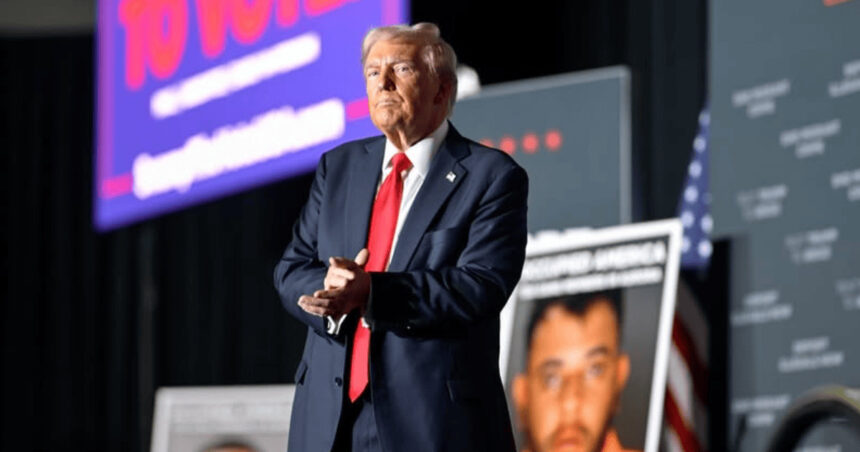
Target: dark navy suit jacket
pixel 434 315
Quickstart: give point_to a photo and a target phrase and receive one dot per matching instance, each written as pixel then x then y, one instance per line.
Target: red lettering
pixel 317 7
pixel 156 31
pixel 131 15
pixel 287 12
pixel 249 20
pixel 211 19
pixel 168 28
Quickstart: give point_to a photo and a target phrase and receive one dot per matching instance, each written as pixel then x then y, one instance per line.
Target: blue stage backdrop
pixel 198 99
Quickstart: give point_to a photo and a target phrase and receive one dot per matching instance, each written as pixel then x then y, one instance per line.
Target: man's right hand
pixel 346 287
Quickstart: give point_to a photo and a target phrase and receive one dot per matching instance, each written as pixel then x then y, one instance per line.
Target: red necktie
pixel 383 222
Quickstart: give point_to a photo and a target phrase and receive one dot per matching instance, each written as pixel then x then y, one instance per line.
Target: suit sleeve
pixel 299 271
pixel 474 290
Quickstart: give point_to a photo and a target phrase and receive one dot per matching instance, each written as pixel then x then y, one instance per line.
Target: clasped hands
pixel 346 287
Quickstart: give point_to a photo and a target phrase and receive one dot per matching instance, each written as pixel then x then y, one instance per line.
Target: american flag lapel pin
pixel 450 176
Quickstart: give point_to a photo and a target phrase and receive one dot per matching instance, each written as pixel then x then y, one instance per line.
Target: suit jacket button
pixel 338 381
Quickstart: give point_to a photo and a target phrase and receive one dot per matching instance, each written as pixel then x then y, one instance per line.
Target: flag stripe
pixel 690 314
pixel 689 442
pixel 673 444
pixel 698 370
pixel 681 384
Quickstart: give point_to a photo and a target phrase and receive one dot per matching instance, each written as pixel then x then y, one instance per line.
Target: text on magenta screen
pixel 198 99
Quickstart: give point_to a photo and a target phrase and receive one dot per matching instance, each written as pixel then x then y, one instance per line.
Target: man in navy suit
pixel 403 340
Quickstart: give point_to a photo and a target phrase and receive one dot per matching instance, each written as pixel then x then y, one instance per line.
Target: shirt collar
pixel 420 153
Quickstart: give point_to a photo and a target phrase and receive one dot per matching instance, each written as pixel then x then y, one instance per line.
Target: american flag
pixel 687 377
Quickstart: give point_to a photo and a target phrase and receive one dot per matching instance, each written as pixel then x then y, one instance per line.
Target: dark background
pixel 93 323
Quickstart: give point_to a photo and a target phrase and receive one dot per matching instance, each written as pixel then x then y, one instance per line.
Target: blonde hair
pixel 437 54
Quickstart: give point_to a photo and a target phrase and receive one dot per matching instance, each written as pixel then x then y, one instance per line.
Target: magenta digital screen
pixel 198 99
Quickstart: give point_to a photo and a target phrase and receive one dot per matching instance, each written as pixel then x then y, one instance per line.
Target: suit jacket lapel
pixel 437 187
pixel 361 190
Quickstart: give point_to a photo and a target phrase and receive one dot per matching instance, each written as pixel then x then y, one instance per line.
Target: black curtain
pixel 93 323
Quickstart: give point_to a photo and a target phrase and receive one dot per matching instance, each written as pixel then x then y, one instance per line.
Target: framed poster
pixel 588 335
pixel 222 418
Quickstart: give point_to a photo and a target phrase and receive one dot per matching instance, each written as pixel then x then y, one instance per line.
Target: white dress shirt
pixel 420 154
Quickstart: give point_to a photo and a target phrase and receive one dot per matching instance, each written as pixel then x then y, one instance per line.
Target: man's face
pixel 575 373
pixel 403 93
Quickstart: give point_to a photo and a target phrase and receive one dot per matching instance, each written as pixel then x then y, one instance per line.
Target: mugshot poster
pixel 588 335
